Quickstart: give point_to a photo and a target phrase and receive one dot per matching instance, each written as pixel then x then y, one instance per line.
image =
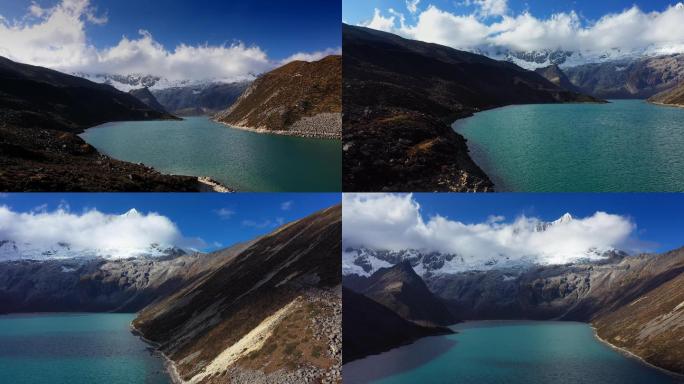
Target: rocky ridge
pixel 299 98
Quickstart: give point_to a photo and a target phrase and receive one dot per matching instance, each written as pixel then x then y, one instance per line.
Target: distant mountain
pixel 637 78
pixel 408 92
pixel 200 99
pixel 554 74
pixel 144 95
pixel 369 328
pixel 300 98
pixel 674 97
pixel 42 110
pixel 400 289
pixel 269 314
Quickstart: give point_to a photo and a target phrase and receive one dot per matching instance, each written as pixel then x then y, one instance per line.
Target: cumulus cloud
pixel 312 56
pixel 61 233
pixel 492 24
pixel 395 222
pixel 412 5
pixel 56 38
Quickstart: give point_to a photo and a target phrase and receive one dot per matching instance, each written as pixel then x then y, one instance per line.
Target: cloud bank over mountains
pixel 62 233
pixel 492 23
pixel 56 38
pixel 395 222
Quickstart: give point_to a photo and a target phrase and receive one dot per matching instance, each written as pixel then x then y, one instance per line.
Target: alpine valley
pixel 429 310
pixel 267 310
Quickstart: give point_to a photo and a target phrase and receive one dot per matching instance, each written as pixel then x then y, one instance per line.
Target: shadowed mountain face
pixel 554 74
pixel 631 79
pixel 200 100
pixel 400 289
pixel 299 98
pixel 406 93
pixel 144 95
pixel 370 328
pixel 273 308
pixel 42 110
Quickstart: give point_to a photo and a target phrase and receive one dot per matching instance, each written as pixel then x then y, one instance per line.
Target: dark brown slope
pixel 271 312
pixel 299 98
pixel 400 96
pixel 370 328
pixel 673 97
pixel 401 290
pixel 42 110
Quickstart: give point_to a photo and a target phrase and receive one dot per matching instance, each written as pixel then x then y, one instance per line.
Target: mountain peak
pixel 566 218
pixel 131 213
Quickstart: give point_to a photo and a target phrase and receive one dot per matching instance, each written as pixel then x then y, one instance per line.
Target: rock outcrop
pixel 300 98
pixel 144 95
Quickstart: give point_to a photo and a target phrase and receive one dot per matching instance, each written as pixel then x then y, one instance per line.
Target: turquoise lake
pixel 243 160
pixel 76 348
pixel 506 352
pixel 623 146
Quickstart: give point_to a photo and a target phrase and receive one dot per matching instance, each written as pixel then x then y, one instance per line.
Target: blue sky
pixel 357 11
pixel 659 216
pixel 177 40
pixel 218 219
pixel 279 27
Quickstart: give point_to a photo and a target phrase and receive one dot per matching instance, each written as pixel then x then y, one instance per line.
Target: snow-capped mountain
pixel 128 82
pixel 364 261
pixel 23 250
pixel 567 58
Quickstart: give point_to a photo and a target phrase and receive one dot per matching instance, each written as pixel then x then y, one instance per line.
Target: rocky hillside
pixel 369 328
pixel 270 314
pixel 99 285
pixel 144 95
pixel 408 93
pixel 299 98
pixel 554 74
pixel 401 290
pixel 629 79
pixel 206 99
pixel 42 110
pixel 674 97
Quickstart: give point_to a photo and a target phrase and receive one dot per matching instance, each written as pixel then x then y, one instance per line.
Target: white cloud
pixel 395 222
pixel 286 205
pixel 629 29
pixel 225 213
pixel 412 5
pixel 56 38
pixel 91 233
pixel 312 56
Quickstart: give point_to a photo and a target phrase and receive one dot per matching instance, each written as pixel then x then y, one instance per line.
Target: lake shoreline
pixel 295 133
pixel 169 364
pixel 633 356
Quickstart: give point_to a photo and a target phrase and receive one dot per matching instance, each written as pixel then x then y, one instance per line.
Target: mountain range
pixel 264 311
pixel 634 302
pixel 408 92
